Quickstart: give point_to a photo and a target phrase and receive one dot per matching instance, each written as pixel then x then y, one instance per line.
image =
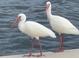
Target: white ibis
pixel 33 29
pixel 60 25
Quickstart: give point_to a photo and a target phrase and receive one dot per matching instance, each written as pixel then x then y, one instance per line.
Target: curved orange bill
pixel 15 23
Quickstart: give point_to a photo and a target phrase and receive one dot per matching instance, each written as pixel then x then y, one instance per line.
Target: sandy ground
pixel 74 53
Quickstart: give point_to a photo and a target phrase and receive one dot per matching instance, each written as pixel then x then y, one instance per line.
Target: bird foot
pixel 28 55
pixel 33 55
pixel 38 55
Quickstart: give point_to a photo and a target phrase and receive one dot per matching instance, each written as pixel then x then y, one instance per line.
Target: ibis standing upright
pixel 60 25
pixel 33 29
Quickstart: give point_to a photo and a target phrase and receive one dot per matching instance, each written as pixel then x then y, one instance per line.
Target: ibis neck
pixel 48 12
pixel 22 22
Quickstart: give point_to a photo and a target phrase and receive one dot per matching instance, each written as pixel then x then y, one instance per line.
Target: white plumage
pixel 60 25
pixel 33 29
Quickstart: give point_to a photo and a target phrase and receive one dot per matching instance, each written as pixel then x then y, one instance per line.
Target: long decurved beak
pixel 15 23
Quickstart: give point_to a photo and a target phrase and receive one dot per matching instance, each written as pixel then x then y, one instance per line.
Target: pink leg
pixel 30 51
pixel 40 50
pixel 62 42
pixel 61 48
pixel 35 45
pixel 40 47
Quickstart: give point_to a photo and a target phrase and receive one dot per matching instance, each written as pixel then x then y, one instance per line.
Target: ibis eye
pixel 19 18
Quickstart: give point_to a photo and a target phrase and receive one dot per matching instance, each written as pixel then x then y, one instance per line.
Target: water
pixel 12 41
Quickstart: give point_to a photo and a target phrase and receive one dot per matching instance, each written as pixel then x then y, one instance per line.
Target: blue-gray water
pixel 12 41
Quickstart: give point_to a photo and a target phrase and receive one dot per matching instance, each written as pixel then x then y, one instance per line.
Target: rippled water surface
pixel 12 41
